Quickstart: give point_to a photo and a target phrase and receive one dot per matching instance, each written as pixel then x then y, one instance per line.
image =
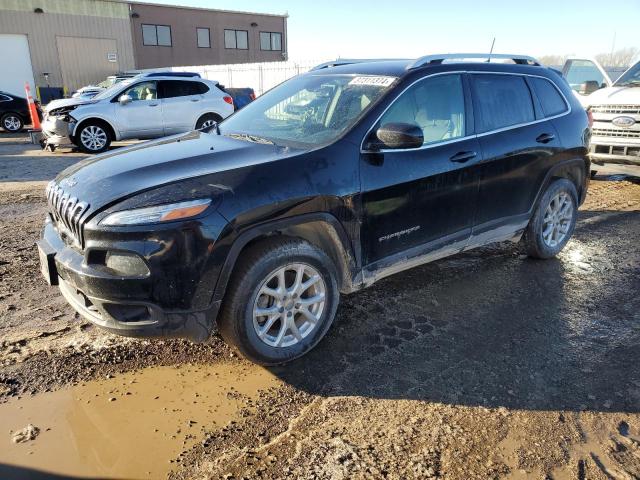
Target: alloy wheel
pixel 208 123
pixel 93 137
pixel 557 219
pixel 289 305
pixel 12 123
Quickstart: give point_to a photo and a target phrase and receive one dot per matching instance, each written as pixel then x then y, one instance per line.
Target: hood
pixel 66 102
pixel 615 96
pixel 107 178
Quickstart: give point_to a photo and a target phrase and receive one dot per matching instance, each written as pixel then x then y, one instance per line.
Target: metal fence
pixel 259 76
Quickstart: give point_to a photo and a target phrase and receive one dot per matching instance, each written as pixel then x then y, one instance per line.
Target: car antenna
pixel 491 50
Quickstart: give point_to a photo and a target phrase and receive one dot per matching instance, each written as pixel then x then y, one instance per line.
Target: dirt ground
pixel 484 365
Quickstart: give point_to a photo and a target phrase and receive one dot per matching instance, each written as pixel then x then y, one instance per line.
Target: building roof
pixel 201 8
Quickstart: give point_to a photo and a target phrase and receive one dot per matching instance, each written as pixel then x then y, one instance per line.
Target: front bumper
pixel 123 305
pixel 57 131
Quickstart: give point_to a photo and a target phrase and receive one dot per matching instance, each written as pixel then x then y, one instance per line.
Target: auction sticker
pixel 376 81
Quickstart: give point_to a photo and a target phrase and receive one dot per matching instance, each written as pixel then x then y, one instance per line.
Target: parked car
pixel 615 109
pixel 260 222
pixel 91 91
pixel 241 96
pixel 145 106
pixel 14 112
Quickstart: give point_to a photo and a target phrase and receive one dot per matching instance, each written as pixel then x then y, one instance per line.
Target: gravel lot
pixel 484 365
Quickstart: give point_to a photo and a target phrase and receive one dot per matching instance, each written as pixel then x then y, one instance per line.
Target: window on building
pixel 204 38
pixel 503 101
pixel 270 41
pixel 158 35
pixel 238 39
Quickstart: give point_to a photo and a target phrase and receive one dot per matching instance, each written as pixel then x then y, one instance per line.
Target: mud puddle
pixel 130 425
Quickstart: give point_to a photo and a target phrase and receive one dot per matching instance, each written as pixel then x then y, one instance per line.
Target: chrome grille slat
pixel 66 211
pixel 614 132
pixel 621 109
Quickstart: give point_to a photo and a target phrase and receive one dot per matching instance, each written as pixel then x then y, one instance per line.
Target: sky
pixel 323 29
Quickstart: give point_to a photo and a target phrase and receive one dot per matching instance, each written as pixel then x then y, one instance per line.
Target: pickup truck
pixel 614 107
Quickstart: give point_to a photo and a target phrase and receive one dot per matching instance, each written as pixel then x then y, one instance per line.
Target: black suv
pixel 336 178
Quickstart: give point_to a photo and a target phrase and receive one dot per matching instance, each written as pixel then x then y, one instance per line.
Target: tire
pixel 93 137
pixel 207 120
pixel 257 266
pixel 12 122
pixel 554 220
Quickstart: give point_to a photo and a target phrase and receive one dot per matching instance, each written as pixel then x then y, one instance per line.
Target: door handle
pixel 545 138
pixel 462 157
pixel 195 99
pixel 153 104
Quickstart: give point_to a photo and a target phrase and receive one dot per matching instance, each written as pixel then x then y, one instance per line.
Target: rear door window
pixel 550 98
pixel 502 101
pixel 182 88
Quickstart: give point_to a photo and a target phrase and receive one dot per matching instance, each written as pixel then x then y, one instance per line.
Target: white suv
pixel 146 106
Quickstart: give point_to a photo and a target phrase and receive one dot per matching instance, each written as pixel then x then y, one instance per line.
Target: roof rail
pixel 347 61
pixel 437 59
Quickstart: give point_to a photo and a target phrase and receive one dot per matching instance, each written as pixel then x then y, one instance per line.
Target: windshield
pixel 113 89
pixel 106 83
pixel 307 111
pixel 630 78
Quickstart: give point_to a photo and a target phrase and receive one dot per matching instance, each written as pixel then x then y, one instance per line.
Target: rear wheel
pixel 208 120
pixel 553 221
pixel 11 122
pixel 281 301
pixel 93 137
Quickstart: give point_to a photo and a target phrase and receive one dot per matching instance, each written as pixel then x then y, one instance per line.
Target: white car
pixel 615 110
pixel 146 106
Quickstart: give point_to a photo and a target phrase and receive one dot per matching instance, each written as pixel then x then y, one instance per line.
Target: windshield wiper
pixel 630 83
pixel 250 138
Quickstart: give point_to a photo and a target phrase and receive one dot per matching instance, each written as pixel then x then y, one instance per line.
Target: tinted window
pixel 181 88
pixel 142 91
pixel 435 104
pixel 550 99
pixel 5 98
pixel 503 100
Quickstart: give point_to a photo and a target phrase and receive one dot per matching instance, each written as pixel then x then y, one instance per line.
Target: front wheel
pixel 281 301
pixel 93 137
pixel 554 220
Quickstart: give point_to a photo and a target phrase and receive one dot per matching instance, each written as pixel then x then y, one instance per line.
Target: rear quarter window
pixel 550 98
pixel 502 101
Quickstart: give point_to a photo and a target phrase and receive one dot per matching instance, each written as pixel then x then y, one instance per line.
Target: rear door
pixel 518 145
pixel 181 102
pixel 422 199
pixel 142 116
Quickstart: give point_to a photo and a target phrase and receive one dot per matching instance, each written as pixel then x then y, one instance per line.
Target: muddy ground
pixel 484 365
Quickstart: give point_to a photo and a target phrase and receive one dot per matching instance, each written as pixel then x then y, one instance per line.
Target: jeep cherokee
pixel 327 183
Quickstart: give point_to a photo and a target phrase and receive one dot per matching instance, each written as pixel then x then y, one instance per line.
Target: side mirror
pixel 589 87
pixel 124 99
pixel 400 135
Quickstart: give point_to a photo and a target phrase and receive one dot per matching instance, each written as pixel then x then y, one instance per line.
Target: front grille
pixel 67 211
pixel 614 132
pixel 628 109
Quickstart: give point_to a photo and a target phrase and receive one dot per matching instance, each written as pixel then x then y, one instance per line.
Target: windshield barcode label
pixel 378 81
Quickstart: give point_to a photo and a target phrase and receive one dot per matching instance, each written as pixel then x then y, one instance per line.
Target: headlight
pixel 157 214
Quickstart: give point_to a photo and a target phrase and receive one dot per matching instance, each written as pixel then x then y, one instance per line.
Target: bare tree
pixel 620 58
pixel 552 60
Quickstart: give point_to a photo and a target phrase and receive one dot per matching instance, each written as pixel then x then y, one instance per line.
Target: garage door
pixel 16 61
pixel 86 61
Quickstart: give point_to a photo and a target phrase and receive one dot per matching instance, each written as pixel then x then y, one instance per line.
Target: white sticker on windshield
pixel 377 81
